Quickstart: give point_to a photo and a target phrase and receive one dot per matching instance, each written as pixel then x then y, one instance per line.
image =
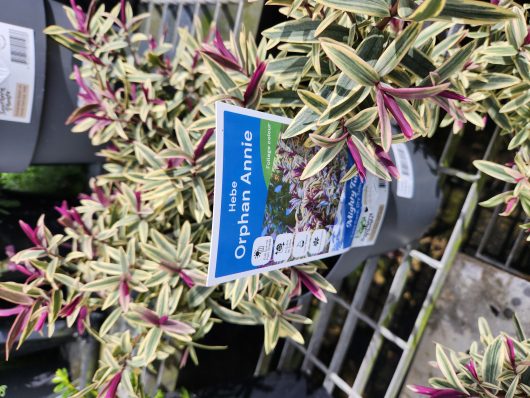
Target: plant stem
pixel 381 25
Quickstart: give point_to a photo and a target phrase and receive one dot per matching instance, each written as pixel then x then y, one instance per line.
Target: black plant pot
pixel 405 220
pixel 273 385
pixel 45 139
pixel 233 365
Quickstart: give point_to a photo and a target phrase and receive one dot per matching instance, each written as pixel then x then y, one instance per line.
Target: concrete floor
pixel 472 290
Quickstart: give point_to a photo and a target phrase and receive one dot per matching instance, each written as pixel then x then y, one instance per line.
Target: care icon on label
pixel 318 241
pixel 301 244
pixel 283 246
pixel 262 250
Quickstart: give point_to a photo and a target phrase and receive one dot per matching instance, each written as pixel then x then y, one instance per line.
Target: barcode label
pixel 405 184
pixel 18 46
pixel 17 73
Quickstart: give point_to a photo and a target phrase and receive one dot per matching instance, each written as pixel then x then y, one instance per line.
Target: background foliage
pixel 61 180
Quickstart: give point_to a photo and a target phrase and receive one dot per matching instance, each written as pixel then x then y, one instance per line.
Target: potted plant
pixel 136 248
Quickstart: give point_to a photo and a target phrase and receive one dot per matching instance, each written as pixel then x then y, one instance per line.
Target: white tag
pixel 17 72
pixel 375 196
pixel 405 184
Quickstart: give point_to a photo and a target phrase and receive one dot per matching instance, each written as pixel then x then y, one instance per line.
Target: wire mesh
pixel 167 16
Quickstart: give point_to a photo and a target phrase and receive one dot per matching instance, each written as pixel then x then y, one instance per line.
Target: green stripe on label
pixel 269 135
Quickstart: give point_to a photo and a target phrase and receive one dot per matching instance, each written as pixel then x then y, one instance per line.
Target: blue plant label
pixel 265 216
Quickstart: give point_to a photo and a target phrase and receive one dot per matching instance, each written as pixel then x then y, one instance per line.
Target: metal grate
pixel 498 240
pixel 384 336
pixel 167 16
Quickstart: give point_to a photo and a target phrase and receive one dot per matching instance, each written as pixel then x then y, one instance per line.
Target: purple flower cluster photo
pixel 295 205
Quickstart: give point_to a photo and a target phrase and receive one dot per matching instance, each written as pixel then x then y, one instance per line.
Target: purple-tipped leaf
pixel 152 43
pixel 255 80
pixel 227 63
pixel 31 233
pixel 171 267
pixel 124 297
pixel 63 210
pixel 84 92
pixel 220 45
pixel 15 297
pixel 102 198
pixel 356 155
pixel 138 198
pixel 123 15
pixel 202 143
pixel 510 206
pixel 311 286
pixel 9 251
pixel 386 161
pixel 396 24
pixel 148 316
pixel 454 96
pixel 186 279
pixel 184 358
pixel 293 310
pixel 77 218
pixel 41 321
pixel 87 115
pixel 91 58
pixel 11 311
pixel 196 57
pixel 83 112
pixel 22 269
pixel 111 389
pixel 527 38
pixel 69 308
pixel 297 282
pixel 451 110
pixel 79 16
pixel 20 323
pixel 172 163
pixel 511 352
pixel 401 120
pixel 81 317
pixel 437 392
pixel 472 369
pixel 220 54
pixel 414 93
pixel 177 327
